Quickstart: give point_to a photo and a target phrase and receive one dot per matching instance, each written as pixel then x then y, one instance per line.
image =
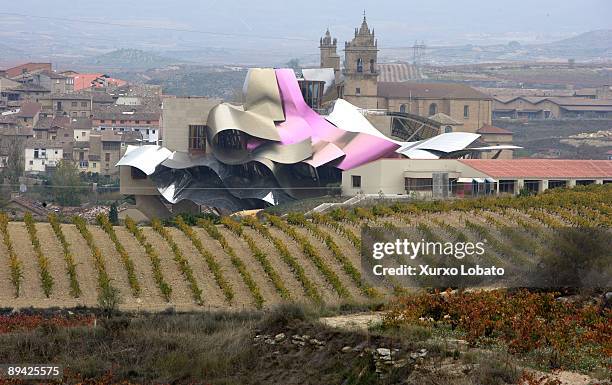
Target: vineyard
pixel 237 263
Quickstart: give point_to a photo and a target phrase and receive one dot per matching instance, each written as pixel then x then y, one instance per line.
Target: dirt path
pixel 86 273
pixel 31 286
pixel 57 265
pixel 114 265
pixel 268 290
pixel 142 265
pixel 295 288
pixel 327 293
pixel 242 294
pixel 181 293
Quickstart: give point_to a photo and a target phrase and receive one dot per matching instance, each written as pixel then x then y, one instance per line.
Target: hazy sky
pixel 397 23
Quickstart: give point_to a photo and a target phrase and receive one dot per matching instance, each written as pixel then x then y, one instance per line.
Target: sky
pixel 278 24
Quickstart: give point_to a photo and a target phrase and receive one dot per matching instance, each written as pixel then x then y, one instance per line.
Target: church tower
pixel 360 68
pixel 329 57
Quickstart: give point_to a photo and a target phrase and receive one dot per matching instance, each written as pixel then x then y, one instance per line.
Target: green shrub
pixel 43 262
pixel 75 289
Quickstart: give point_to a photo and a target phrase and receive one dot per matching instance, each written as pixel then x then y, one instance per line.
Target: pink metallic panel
pixel 302 122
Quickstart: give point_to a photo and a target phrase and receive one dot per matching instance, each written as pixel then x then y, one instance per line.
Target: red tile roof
pixel 429 91
pixel 85 81
pixel 29 110
pixel 542 168
pixel 487 129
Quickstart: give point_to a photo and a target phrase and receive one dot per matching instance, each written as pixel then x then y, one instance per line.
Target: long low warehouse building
pixel 441 178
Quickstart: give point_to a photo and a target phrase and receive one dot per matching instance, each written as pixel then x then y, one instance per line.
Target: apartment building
pixel 42 155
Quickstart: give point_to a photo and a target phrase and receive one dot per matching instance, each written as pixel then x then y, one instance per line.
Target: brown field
pixel 324 250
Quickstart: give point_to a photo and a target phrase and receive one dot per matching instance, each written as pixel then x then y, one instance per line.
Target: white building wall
pixel 37 159
pixel 82 135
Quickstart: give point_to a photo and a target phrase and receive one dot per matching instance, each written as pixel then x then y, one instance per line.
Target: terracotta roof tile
pixel 542 168
pixel 429 91
pixel 488 129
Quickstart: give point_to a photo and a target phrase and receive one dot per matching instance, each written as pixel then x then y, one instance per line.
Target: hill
pixel 124 59
pixel 596 40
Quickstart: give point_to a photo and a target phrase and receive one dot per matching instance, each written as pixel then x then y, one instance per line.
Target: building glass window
pixel 360 65
pixel 83 104
pixel 356 181
pixel 402 108
pixel 74 104
pixel 372 65
pixel 138 174
pixel 433 109
pixel 466 111
pixel 357 91
pixel 197 137
pixel 418 184
pixel 111 146
pixel 107 157
pixel 448 129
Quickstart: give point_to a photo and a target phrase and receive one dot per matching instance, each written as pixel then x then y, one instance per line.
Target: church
pixel 363 82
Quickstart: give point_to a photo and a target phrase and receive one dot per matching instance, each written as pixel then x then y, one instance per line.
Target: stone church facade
pixel 358 83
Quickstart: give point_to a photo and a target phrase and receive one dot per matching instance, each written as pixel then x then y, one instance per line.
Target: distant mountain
pixel 586 46
pixel 130 59
pixel 596 40
pixel 8 55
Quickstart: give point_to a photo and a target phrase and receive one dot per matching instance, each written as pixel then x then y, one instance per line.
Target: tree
pixel 66 184
pixel 15 162
pixel 294 64
pixel 113 214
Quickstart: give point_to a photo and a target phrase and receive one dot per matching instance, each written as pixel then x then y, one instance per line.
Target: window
pixel 83 133
pixel 356 181
pixel 466 111
pixel 138 122
pixel 197 137
pixel 110 146
pixel 31 162
pixel 102 121
pixel 418 184
pixel 74 113
pixel 83 104
pixel 403 108
pixel 448 129
pixel 107 157
pixel 360 65
pixel 74 104
pixel 36 153
pixel 121 121
pixel 93 164
pixel 137 174
pixel 433 109
pixel 84 114
pixel 113 121
pixel 357 91
pixel 148 122
pixel 372 69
